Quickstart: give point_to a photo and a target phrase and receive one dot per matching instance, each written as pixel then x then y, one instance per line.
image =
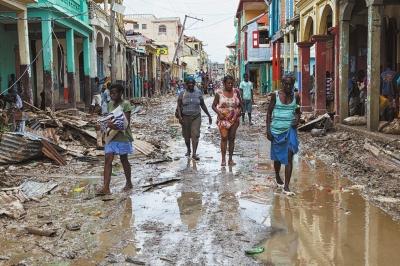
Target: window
pixel 162 29
pixel 263 36
pixel 144 26
pixel 136 26
pixel 196 47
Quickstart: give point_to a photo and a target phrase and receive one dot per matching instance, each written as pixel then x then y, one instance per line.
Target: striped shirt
pixel 329 89
pixel 282 116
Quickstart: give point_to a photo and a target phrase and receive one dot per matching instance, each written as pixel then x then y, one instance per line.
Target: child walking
pixel 121 139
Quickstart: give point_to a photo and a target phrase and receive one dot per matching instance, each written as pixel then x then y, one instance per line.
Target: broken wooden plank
pixel 52 153
pixel 41 232
pixel 160 183
pixel 144 147
pixel 53 116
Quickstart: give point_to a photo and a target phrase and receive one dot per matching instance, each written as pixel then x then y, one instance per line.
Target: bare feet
pixel 127 188
pixel 196 157
pixel 231 163
pixel 187 154
pixel 103 192
pixel 279 181
pixel 287 191
pixel 223 163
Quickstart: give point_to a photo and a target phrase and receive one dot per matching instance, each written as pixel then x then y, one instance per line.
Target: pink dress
pixel 229 108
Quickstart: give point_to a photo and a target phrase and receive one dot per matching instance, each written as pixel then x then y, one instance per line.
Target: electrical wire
pixel 213 24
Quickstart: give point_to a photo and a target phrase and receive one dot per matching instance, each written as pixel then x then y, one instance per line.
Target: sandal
pixel 196 157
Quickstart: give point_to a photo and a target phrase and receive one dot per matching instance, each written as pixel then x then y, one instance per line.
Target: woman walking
pixel 228 105
pixel 283 116
pixel 190 103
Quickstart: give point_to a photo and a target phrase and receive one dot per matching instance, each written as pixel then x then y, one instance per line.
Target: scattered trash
pixel 315 132
pixel 321 122
pixel 391 127
pixel 79 189
pixel 73 227
pixel 254 250
pixel 41 232
pixel 144 147
pixel 355 121
pixel 50 152
pixel 33 189
pixel 160 183
pixel 134 261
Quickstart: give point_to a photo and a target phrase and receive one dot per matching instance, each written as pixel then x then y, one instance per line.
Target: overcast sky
pixel 216 31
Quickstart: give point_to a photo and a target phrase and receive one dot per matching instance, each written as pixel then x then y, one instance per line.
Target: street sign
pixel 162 51
pixel 118 8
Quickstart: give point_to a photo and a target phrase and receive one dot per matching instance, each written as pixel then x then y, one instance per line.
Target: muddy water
pixel 213 214
pixel 328 223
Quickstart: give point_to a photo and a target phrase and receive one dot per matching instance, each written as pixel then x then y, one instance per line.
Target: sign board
pixel 162 51
pixel 118 8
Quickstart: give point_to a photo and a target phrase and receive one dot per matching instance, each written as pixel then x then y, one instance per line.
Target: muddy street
pixel 183 212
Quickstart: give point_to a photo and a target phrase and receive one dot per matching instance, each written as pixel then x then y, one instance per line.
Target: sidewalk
pixel 378 136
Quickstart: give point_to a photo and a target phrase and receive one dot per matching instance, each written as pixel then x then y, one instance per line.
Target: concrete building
pixel 193 55
pixel 61 41
pixel 165 32
pixel 100 47
pixel 369 40
pixel 14 46
pixel 253 43
pixel 231 67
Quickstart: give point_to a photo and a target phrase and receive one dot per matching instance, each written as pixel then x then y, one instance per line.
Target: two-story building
pixel 164 31
pixel 15 56
pixel 99 16
pixel 60 36
pixel 253 43
pixel 193 55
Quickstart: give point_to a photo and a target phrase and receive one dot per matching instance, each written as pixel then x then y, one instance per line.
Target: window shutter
pixel 256 39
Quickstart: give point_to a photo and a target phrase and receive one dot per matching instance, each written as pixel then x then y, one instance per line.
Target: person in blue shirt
pixel 246 89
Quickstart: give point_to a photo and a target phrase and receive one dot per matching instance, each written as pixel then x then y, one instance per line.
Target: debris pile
pixel 318 126
pixel 49 134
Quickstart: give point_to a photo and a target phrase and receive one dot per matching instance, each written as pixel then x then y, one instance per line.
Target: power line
pixel 213 24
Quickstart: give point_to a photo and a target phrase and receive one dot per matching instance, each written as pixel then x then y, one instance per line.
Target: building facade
pixel 253 43
pixel 15 57
pixel 165 32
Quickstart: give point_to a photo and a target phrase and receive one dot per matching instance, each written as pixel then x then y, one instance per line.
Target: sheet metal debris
pixel 33 189
pixel 19 147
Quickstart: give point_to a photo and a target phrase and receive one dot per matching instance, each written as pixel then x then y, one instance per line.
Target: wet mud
pixel 207 215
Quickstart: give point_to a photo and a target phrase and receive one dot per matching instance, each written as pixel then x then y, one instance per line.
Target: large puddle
pixel 329 224
pixel 212 215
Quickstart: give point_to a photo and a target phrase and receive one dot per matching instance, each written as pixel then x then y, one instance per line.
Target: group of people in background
pixel 388 99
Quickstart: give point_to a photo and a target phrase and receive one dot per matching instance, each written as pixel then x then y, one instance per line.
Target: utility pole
pixel 112 43
pixel 180 37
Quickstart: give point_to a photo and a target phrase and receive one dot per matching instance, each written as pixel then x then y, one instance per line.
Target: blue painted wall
pixel 9 39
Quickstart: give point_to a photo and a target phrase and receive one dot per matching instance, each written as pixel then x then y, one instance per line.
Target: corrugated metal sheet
pixel 34 189
pixel 19 147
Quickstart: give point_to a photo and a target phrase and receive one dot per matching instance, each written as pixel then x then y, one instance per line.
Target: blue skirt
pixel 282 144
pixel 118 148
